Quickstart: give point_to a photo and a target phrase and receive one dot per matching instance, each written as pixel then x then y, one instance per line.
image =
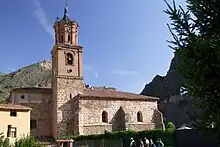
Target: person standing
pixel 141 143
pixel 146 142
pixel 160 143
pixel 133 143
pixel 152 143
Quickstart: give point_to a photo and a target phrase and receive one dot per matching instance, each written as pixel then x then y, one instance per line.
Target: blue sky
pixel 124 40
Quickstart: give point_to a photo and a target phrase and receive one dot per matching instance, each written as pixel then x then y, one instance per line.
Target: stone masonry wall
pixel 122 114
pixel 67 105
pixel 41 104
pixel 141 127
pixel 97 129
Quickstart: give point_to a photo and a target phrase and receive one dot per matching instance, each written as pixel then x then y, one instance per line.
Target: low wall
pixel 101 128
pixel 192 138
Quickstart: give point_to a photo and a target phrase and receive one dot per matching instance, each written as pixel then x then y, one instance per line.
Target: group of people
pixel 147 143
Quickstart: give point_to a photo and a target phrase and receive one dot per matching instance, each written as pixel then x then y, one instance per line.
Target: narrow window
pixel 104 116
pixel 61 39
pixel 139 117
pixel 13 113
pixel 8 131
pixel 33 124
pixel 12 131
pixel 69 59
pixel 68 38
pixel 70 96
pixel 22 97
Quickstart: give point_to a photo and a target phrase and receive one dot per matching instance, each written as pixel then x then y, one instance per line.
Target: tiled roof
pixel 100 93
pixel 13 107
pixel 32 89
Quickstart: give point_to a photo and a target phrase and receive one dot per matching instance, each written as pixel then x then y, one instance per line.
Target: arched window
pixel 61 39
pixel 139 117
pixel 68 38
pixel 104 116
pixel 69 59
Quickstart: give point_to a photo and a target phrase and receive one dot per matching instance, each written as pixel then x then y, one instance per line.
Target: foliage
pixel 170 126
pixel 4 142
pixel 196 34
pixel 166 136
pixel 27 141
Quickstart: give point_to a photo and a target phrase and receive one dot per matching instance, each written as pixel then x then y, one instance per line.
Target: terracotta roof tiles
pixel 33 89
pixel 100 93
pixel 13 107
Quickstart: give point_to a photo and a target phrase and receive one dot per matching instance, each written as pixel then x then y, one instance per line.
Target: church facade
pixel 71 108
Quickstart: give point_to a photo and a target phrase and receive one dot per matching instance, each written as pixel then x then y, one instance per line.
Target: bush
pixel 4 142
pixel 27 141
pixel 166 136
pixel 170 126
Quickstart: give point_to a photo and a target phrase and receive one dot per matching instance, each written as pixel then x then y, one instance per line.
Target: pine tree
pixel 196 41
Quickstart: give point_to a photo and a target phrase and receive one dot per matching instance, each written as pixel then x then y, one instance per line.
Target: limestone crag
pixel 174 106
pixel 34 75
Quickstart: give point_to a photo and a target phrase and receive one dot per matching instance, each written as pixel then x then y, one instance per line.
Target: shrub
pixel 166 136
pixel 27 141
pixel 4 142
pixel 170 126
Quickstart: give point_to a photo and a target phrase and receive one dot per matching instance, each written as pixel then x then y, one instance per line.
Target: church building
pixel 71 108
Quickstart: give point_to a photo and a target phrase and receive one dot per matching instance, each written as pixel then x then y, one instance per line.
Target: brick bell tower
pixel 67 76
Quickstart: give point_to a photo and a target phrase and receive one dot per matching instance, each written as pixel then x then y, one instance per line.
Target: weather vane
pixel 65 2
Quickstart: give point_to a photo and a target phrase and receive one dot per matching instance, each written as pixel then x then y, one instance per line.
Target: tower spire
pixel 66 15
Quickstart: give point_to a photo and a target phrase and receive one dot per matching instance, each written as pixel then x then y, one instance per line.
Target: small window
pixel 13 113
pixel 33 124
pixel 12 131
pixel 61 39
pixel 70 96
pixel 139 117
pixel 69 59
pixel 22 96
pixel 104 116
pixel 69 38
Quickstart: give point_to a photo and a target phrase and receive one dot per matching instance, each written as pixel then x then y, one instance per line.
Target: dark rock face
pixel 175 107
pixel 165 86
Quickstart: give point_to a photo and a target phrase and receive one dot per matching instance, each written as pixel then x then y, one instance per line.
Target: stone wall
pixel 97 128
pixel 141 126
pixel 67 105
pixel 41 104
pixel 121 113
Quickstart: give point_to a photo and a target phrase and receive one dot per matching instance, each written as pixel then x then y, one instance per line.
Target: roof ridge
pixel 114 94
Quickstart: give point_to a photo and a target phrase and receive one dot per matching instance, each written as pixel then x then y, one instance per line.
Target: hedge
pixel 166 136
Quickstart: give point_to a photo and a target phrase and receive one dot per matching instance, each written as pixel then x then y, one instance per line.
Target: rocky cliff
pixel 174 106
pixel 35 75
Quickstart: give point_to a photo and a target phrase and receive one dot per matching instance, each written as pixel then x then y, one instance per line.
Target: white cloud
pixel 42 18
pixel 88 68
pixel 125 72
pixel 96 74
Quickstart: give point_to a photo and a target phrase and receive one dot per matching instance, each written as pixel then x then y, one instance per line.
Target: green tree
pixel 27 141
pixel 196 41
pixel 170 126
pixel 4 142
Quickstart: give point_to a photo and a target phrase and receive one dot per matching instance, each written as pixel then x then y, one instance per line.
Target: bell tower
pixel 69 53
pixel 67 76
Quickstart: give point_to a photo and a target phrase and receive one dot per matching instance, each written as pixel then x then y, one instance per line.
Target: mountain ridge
pixel 176 107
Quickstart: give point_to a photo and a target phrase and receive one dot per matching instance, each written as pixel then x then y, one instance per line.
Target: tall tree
pixel 196 41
